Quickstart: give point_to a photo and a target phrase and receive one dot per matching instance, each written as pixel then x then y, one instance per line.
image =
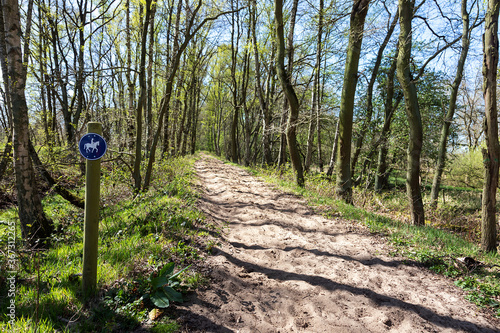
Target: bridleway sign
pixel 92 146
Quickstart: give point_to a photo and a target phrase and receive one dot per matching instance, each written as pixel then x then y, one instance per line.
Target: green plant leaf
pixel 172 294
pixel 179 272
pixel 167 270
pixel 159 282
pixel 160 299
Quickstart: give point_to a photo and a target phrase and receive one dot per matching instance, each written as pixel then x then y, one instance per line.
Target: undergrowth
pixel 444 245
pixel 138 236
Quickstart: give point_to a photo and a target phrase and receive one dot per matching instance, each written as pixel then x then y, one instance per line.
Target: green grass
pixel 137 236
pixel 451 231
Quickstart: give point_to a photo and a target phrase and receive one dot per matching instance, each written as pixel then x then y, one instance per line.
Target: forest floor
pixel 282 268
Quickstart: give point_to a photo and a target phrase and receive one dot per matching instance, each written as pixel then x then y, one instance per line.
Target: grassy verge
pixel 138 236
pixel 444 245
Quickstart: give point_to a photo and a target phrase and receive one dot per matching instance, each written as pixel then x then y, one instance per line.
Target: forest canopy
pixel 361 90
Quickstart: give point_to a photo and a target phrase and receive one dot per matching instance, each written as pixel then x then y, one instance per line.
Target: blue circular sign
pixel 92 146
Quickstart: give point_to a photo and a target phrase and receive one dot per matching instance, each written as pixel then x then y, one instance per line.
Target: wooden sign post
pixel 92 146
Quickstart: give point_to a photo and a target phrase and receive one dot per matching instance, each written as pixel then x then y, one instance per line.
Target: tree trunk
pixel 445 129
pixel 7 152
pixel 63 98
pixel 344 184
pixel 369 94
pixel 80 78
pixel 36 227
pixel 151 58
pixel 62 191
pixel 381 177
pixel 235 37
pixel 314 123
pixel 333 156
pixel 492 151
pixel 412 112
pixel 130 83
pixel 266 114
pixel 319 90
pixel 5 73
pixel 286 104
pixel 142 100
pixel 289 93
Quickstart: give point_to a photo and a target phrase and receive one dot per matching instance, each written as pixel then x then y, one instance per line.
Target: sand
pixel 282 268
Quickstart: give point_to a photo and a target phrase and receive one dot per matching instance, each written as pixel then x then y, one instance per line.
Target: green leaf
pixel 160 299
pixel 167 270
pixel 172 294
pixel 179 272
pixel 159 282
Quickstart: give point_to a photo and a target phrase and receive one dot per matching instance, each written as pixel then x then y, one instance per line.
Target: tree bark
pixel 129 114
pixel 59 189
pixel 289 93
pixel 382 176
pixel 344 183
pixel 63 98
pixel 314 112
pixel 151 58
pixel 286 105
pixel 333 156
pixel 369 93
pixel 445 129
pixel 36 227
pixel 142 100
pixel 318 90
pixel 235 37
pixel 5 73
pixel 412 112
pixel 492 151
pixel 264 109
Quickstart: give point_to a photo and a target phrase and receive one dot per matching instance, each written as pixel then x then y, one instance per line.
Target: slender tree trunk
pixel 80 78
pixel 412 112
pixel 312 127
pixel 381 177
pixel 175 49
pixel 289 93
pixel 43 78
pixel 266 114
pixel 492 151
pixel 62 83
pixel 282 158
pixel 235 37
pixel 243 100
pixel 333 156
pixel 7 152
pixel 142 100
pixel 130 83
pixel 5 73
pixel 314 123
pixel 285 124
pixel 445 129
pixel 36 227
pixel 318 90
pixel 194 128
pixel 369 94
pixel 344 183
pixel 182 121
pixel 151 57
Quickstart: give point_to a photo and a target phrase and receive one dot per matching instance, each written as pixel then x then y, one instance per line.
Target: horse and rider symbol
pixel 92 146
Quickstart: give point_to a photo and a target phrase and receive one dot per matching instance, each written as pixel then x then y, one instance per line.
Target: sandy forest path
pixel 282 268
